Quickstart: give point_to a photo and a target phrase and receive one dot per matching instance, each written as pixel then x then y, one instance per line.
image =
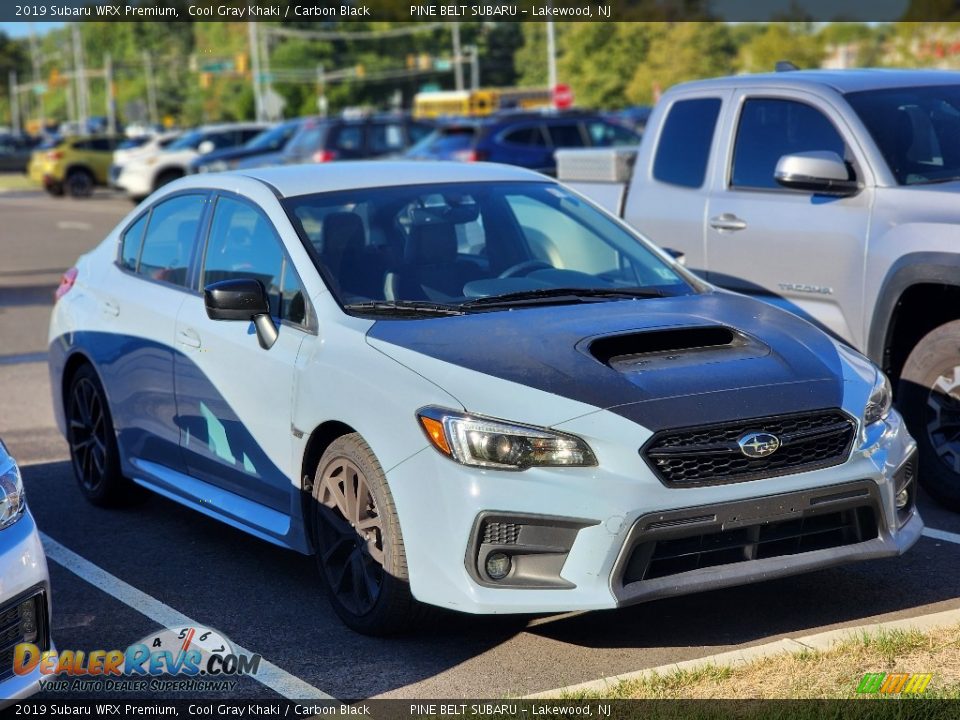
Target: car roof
pixel 842 81
pixel 292 180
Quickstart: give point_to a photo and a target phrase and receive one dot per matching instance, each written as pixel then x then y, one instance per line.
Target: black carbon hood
pixel 662 362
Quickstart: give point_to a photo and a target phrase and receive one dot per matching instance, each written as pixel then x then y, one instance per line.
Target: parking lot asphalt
pixel 269 601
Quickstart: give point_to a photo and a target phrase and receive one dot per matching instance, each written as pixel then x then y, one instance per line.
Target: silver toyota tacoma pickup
pixel 832 193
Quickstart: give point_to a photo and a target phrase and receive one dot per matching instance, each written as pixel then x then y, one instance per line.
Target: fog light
pixel 903 498
pixel 498 566
pixel 28 621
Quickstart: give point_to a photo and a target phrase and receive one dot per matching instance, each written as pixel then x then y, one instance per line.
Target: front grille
pixel 708 455
pixel 501 533
pixel 22 620
pixel 808 532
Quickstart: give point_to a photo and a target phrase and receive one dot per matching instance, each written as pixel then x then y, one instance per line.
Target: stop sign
pixel 562 96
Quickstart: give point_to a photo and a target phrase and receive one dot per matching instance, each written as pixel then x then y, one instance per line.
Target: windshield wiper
pixel 554 295
pixel 405 306
pixel 937 181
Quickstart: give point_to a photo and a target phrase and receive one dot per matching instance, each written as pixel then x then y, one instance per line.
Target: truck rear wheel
pixel 929 398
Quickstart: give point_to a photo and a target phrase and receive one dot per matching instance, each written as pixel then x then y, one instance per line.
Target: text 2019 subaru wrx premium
pixel 464 385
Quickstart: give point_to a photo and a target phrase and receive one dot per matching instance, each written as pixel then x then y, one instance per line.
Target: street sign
pixel 39 88
pixel 562 96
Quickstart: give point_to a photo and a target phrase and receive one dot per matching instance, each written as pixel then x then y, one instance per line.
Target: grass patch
pixel 15 181
pixel 832 674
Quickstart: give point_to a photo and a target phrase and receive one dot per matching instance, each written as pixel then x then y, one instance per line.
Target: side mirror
pixel 818 171
pixel 242 299
pixel 205 147
pixel 679 255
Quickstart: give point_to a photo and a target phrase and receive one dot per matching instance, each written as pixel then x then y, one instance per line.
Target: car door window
pixel 604 134
pixel 170 237
pixel 564 135
pixel 348 139
pixel 683 149
pixel 771 128
pixel 244 244
pixel 527 135
pixel 417 132
pixel 386 138
pixel 131 243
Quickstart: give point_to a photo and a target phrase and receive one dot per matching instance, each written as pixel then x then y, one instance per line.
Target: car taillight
pixel 55 155
pixel 66 282
pixel 324 156
pixel 470 156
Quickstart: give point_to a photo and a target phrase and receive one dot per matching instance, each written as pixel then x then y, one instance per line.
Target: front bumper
pixel 23 573
pixel 611 508
pixel 135 180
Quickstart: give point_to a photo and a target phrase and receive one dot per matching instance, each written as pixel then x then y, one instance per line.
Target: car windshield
pixel 916 128
pixel 446 141
pixel 188 141
pixel 134 142
pixel 466 245
pixel 273 138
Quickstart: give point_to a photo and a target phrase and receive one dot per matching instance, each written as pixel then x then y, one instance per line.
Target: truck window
pixel 770 129
pixel 684 147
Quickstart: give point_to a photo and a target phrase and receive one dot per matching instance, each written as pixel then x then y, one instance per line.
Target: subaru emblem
pixel 759 444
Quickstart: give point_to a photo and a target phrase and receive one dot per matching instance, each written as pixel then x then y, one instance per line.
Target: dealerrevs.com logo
pixel 188 659
pixel 894 683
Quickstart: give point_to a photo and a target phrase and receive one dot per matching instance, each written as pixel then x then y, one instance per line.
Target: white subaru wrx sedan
pixel 466 386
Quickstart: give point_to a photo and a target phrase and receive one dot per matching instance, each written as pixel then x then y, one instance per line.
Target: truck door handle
pixel 188 338
pixel 728 222
pixel 110 308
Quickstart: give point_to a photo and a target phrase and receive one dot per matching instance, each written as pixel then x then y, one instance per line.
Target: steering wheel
pixel 525 268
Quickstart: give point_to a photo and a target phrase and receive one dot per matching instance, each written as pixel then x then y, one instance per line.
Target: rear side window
pixel 684 148
pixel 169 240
pixel 529 135
pixel 770 129
pixel 348 138
pixel 604 134
pixel 243 244
pixel 132 240
pixel 386 138
pixel 565 135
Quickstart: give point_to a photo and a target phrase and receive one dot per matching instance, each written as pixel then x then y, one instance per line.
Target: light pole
pixel 551 56
pixel 457 58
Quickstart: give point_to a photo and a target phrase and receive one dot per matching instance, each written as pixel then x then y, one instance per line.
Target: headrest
pixel 342 231
pixel 432 244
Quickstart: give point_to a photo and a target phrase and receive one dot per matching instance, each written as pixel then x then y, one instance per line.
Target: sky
pixel 22 29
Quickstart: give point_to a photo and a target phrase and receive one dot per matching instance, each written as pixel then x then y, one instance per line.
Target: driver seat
pixel 431 268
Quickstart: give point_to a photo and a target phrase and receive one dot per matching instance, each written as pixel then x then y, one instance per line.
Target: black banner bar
pixel 901 709
pixel 325 11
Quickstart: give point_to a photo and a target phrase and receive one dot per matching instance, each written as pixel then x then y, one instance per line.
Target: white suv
pixel 143 174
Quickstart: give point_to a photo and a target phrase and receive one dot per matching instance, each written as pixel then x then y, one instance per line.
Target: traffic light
pixel 205 80
pixel 55 78
pixel 360 70
pixel 240 63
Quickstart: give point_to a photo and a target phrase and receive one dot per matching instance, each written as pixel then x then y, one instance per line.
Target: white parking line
pixel 278 680
pixel 941 535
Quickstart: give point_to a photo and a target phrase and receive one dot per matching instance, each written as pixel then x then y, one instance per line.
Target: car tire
pixel 928 396
pixel 365 576
pixel 166 177
pixel 93 444
pixel 79 183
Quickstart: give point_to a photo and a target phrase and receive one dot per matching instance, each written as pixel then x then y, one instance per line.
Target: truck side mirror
pixel 817 171
pixel 242 299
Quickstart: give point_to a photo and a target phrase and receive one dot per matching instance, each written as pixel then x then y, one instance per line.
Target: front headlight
pixel 881 398
pixel 485 442
pixel 11 496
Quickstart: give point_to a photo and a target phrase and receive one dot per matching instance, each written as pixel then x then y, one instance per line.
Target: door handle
pixel 188 338
pixel 110 308
pixel 727 222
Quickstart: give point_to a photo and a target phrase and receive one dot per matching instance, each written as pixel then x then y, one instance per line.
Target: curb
pixel 818 641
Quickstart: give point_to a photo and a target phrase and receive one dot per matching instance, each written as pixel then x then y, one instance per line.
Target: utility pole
pixel 474 67
pixel 83 107
pixel 255 69
pixel 111 105
pixel 322 104
pixel 551 56
pixel 457 57
pixel 151 88
pixel 267 83
pixel 35 60
pixel 14 106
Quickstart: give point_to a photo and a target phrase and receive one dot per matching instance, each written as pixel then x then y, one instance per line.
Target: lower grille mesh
pixel 501 533
pixel 809 532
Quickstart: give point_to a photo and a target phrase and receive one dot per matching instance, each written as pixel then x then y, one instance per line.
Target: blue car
pixel 526 139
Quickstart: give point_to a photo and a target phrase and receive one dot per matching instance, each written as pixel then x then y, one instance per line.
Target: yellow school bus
pixel 477 103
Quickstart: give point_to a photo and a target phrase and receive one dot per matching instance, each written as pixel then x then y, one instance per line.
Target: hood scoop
pixel 671 348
